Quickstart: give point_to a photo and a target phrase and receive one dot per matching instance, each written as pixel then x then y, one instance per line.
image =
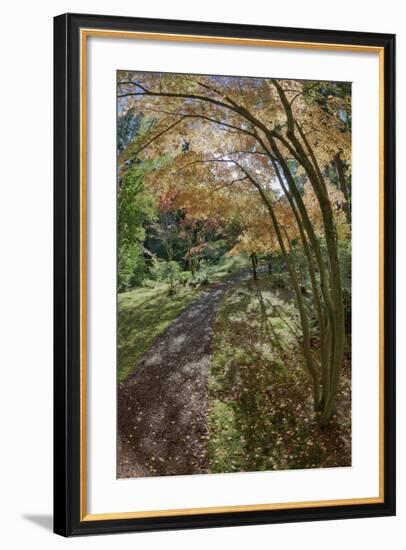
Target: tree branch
pixel 159 135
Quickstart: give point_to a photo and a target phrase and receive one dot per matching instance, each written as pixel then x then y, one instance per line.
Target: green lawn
pixel 143 314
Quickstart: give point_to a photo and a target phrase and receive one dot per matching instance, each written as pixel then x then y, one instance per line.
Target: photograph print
pixel 233 274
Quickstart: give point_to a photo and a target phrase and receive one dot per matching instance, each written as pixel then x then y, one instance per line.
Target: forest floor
pixel 260 398
pixel 145 312
pixel 163 403
pixel 222 388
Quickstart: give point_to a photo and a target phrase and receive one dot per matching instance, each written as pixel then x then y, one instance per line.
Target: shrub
pixel 279 280
pixel 166 272
pixel 200 278
pixel 185 277
pixel 131 267
pixel 148 283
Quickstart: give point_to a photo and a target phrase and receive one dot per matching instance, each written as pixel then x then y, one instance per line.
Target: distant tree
pixel 135 207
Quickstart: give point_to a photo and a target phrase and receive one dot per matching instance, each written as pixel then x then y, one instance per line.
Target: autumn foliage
pixel 266 163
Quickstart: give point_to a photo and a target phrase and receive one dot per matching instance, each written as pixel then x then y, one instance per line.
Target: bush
pixel 131 267
pixel 166 272
pixel 215 251
pixel 279 280
pixel 200 278
pixel 148 283
pixel 185 277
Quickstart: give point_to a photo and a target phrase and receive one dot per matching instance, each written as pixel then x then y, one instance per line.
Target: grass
pixel 227 265
pixel 144 313
pixel 260 406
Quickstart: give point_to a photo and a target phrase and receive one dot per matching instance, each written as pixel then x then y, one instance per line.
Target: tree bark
pixel 343 185
pixel 313 372
pixel 316 179
pixel 254 266
pixel 324 354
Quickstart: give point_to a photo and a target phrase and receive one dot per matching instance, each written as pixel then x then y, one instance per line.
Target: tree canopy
pixel 264 164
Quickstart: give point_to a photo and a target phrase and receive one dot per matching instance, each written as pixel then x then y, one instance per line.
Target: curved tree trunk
pixel 312 369
pixel 324 351
pixel 316 179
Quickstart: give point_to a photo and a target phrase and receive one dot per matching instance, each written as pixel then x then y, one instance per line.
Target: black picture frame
pixel 67 355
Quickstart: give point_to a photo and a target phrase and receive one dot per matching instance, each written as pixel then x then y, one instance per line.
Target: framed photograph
pixel 224 274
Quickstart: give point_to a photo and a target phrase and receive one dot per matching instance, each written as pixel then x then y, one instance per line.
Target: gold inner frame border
pixel 84 34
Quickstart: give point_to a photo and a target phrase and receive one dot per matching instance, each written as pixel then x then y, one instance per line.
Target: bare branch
pixel 159 135
pixel 303 92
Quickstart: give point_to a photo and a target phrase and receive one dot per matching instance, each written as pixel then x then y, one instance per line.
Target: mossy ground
pixel 260 399
pixel 260 412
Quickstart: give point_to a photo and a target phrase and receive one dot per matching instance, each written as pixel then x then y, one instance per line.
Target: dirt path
pixel 162 406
